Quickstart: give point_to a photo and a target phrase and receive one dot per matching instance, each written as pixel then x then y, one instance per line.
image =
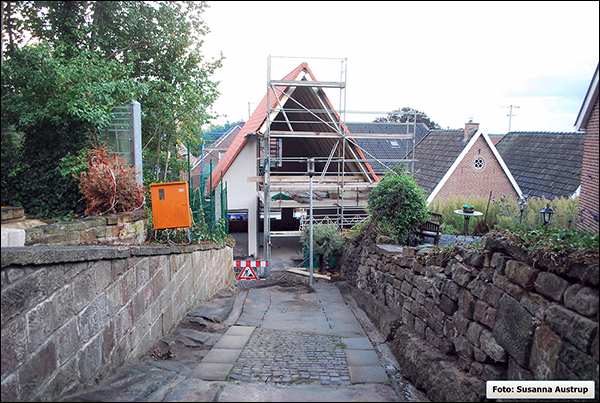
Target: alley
pixel 281 342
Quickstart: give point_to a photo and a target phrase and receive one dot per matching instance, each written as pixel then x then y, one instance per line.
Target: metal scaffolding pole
pixel 267 178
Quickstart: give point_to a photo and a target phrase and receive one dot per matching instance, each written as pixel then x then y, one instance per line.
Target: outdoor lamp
pixel 310 167
pixel 546 214
pixel 522 205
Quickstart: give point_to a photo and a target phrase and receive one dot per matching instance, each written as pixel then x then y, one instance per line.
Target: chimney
pixel 469 127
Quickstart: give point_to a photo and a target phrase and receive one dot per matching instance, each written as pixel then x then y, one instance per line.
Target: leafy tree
pixel 406 115
pixel 58 103
pixel 397 206
pixel 83 58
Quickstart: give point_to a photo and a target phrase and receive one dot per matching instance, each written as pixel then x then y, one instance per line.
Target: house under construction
pixel 265 167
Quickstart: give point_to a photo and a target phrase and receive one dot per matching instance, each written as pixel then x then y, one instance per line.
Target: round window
pixel 478 163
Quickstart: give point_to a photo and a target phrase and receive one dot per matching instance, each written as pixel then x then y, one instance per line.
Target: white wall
pixel 242 194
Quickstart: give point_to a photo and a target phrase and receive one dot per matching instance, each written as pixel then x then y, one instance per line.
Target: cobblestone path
pixel 276 356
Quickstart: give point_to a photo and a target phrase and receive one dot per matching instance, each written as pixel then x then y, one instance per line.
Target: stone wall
pixel 71 314
pixel 126 228
pixel 457 320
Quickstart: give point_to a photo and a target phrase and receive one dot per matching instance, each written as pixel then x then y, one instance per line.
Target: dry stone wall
pixel 455 321
pixel 128 228
pixel 71 314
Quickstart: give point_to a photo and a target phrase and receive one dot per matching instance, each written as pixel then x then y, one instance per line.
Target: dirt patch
pixel 188 343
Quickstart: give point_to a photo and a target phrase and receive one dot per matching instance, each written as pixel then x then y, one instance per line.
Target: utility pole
pixel 510 115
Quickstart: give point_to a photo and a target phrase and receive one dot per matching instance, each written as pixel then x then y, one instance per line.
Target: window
pixel 478 163
pixel 394 143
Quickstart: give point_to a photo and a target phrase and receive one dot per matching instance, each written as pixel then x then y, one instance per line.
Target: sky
pixel 451 60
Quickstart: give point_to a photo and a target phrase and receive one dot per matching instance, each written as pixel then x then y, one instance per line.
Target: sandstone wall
pixel 71 314
pixel 455 321
pixel 126 228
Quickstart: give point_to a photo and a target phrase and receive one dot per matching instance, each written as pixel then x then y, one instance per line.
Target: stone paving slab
pixel 212 371
pixel 217 364
pixel 235 342
pixel 222 355
pixel 240 330
pixel 368 374
pixel 307 393
pixel 357 343
pixel 194 390
pixel 362 357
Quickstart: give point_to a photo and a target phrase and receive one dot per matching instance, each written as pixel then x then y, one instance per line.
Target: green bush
pixel 397 206
pixel 327 242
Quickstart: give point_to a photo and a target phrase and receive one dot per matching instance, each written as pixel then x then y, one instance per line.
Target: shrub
pixel 397 206
pixel 327 242
pixel 109 186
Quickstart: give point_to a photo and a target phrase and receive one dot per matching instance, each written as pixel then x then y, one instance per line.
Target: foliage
pixel 84 57
pixel 405 115
pixel 108 185
pixel 57 103
pixel 327 241
pixel 559 241
pixel 504 213
pixel 397 206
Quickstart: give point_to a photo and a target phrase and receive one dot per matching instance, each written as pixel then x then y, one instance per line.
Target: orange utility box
pixel 170 205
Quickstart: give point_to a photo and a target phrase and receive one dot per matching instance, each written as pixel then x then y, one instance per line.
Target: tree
pixel 406 115
pixel 100 54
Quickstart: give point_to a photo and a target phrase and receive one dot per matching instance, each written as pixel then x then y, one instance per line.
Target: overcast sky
pixel 450 60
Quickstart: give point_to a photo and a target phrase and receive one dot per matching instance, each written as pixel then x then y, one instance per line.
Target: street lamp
pixel 311 172
pixel 522 205
pixel 546 214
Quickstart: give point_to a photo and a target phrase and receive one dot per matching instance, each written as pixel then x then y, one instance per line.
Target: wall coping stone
pixel 39 255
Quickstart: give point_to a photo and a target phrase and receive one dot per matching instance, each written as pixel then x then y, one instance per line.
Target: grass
pixel 504 213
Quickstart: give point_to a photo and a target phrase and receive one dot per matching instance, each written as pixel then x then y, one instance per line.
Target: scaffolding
pixel 299 110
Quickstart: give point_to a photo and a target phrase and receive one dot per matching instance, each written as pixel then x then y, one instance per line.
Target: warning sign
pixel 247 274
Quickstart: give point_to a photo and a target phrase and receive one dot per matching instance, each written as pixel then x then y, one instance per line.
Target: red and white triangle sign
pixel 247 274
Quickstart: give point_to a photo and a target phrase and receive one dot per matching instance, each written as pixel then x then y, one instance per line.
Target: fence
pixel 209 208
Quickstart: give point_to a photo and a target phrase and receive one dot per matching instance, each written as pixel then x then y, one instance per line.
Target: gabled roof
pixel 544 163
pixel 282 95
pixel 386 149
pixel 220 144
pixel 588 103
pixel 439 154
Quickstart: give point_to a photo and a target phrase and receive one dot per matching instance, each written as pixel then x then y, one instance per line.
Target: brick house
pixel 587 120
pixel 462 162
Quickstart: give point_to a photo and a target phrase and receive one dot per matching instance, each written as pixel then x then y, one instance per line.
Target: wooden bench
pixel 431 227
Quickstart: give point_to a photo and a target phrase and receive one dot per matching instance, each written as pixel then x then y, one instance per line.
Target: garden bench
pixel 431 227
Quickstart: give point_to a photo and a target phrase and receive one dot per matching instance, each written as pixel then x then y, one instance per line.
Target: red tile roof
pixel 257 119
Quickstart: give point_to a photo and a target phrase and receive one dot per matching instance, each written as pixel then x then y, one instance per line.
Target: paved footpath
pixel 285 343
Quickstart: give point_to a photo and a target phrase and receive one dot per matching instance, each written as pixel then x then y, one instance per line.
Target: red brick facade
pixel 588 199
pixel 467 180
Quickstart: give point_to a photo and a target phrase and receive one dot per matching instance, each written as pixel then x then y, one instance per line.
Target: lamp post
pixel 522 205
pixel 546 213
pixel 311 171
